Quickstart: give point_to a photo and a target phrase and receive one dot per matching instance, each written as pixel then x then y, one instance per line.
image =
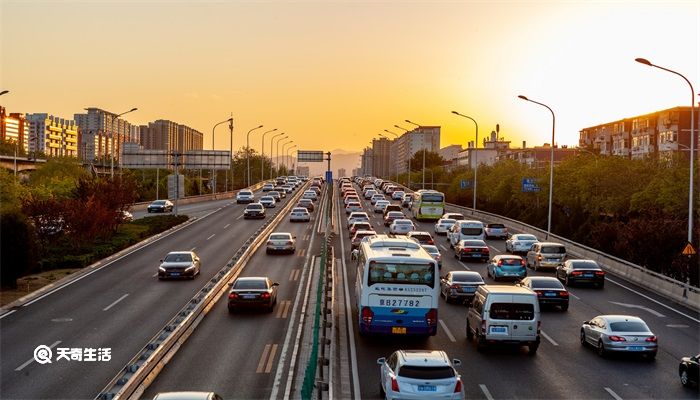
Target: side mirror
pixel 275 284
pixel 161 260
pixel 586 322
pixel 230 284
pixel 456 362
pixel 381 360
pixel 294 237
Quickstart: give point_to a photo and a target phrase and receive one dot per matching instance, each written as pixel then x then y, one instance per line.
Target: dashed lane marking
pixel 268 355
pixel 211 236
pixel 283 309
pixel 294 275
pixel 486 392
pixel 549 339
pixel 464 265
pixel 227 225
pixel 115 302
pixel 31 360
pixel 613 394
pixel 447 331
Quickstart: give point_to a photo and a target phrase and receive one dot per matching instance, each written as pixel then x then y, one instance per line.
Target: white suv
pixel 245 196
pixel 420 374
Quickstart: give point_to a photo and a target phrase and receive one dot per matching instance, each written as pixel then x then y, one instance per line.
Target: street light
pixel 476 152
pixel 422 141
pixel 247 153
pixel 289 156
pixel 262 155
pixel 277 156
pixel 692 143
pixel 213 183
pixel 4 92
pixel 284 151
pixel 112 157
pixel 271 140
pixel 551 166
pixel 410 155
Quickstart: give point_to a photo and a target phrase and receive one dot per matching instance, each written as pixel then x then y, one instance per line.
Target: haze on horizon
pixel 333 75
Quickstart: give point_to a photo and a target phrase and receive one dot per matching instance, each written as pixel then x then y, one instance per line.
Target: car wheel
pixel 382 394
pixel 480 343
pixel 532 349
pixel 566 280
pixel 470 335
pixel 565 307
pixel 231 310
pixel 271 307
pixel 267 251
pixel 685 380
pixel 582 338
pixel 601 349
pixel 601 285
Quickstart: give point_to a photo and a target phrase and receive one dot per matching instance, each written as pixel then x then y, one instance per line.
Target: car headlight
pixel 161 269
pixel 191 267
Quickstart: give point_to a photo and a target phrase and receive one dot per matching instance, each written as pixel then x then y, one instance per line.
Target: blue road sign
pixel 465 184
pixel 530 185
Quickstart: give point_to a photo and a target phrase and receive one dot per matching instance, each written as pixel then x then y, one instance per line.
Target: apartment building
pixel 53 136
pixel 366 160
pixel 381 160
pixel 538 156
pixel 411 142
pixel 168 135
pixel 102 134
pixel 14 128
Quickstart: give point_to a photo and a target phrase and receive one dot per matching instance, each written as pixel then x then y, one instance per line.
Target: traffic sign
pixel 530 185
pixel 309 156
pixel 465 184
pixel 688 250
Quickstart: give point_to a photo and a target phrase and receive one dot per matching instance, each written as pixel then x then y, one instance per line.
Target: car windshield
pixel 250 284
pixel 299 210
pixel 422 372
pixel 553 249
pixel 584 265
pixel 466 277
pixel 254 206
pixel 448 221
pixel 280 236
pixel 512 311
pixel 432 197
pixel 178 258
pixel 628 326
pixel 431 249
pixel 305 201
pixel 267 198
pixel 394 214
pixel 471 231
pixel 525 237
pixel 411 274
pixel 496 226
pixel 546 284
pixel 159 202
pixel 245 193
pixel 403 222
pixel 510 261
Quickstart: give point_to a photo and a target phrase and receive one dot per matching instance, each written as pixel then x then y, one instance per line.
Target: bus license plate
pixel 427 388
pixel 398 330
pixel 498 329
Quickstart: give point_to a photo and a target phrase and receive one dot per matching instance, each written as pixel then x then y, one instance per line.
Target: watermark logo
pixel 43 354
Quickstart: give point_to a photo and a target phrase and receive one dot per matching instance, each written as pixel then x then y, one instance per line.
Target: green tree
pixel 18 249
pixel 432 159
pixel 57 178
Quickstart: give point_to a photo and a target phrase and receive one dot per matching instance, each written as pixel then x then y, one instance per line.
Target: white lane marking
pixel 447 331
pixel 154 275
pixel 211 236
pixel 115 302
pixel 574 296
pixel 495 249
pixel 7 313
pixel 239 217
pixel 549 339
pixel 192 249
pixel 31 360
pixel 443 247
pixel 464 265
pixel 227 225
pixel 486 392
pixel 677 326
pixel 613 394
pixel 655 301
pixel 658 314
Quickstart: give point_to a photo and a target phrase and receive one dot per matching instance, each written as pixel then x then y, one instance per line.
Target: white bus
pixel 397 287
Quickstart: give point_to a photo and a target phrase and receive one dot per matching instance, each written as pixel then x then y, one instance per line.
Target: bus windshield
pixel 432 197
pixel 402 274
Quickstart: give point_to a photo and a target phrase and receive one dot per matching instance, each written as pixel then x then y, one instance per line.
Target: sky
pixel 335 74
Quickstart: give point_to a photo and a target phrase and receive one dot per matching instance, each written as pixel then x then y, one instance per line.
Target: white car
pixel 398 195
pixel 377 197
pixel 457 216
pixel 353 206
pixel 299 214
pixel 380 205
pixel 281 242
pixel 401 226
pixel 420 374
pixel 245 196
pixel 357 216
pixel 520 243
pixel 370 193
pixel 268 187
pixel 443 225
pixel 268 201
pixel 310 194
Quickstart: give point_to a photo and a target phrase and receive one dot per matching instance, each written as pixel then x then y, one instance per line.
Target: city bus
pixel 427 205
pixel 397 287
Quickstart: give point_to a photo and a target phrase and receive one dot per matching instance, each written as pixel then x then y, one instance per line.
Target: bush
pixel 18 247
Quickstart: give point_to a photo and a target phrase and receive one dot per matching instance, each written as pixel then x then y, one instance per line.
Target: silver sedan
pixel 619 334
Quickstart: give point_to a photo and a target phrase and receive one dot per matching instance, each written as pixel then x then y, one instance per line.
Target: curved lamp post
pixel 476 152
pixel 284 152
pixel 289 156
pixel 278 149
pixel 247 154
pixel 551 166
pixel 111 168
pixel 692 142
pixel 230 120
pixel 262 155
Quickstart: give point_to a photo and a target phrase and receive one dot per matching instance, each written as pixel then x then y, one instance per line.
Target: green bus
pixel 427 205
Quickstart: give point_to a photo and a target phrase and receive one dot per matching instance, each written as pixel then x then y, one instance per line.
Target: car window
pixel 247 284
pixel 512 311
pixel 584 265
pixel 471 231
pixel 628 326
pixel 473 243
pixel 466 277
pixel 422 372
pixel 546 284
pixel 497 226
pixel 510 261
pixel 178 258
pixel 279 237
pixel 524 237
pixel 553 249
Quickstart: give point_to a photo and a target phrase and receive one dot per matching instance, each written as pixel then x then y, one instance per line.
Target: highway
pixel 246 355
pixel 120 306
pixel 562 368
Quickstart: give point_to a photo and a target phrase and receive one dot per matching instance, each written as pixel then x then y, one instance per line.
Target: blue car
pixel 506 266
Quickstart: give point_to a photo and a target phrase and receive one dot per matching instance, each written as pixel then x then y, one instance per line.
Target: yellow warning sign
pixel 688 250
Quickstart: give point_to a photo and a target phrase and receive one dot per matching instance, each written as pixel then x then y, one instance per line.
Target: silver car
pixel 420 374
pixel 619 334
pixel 281 242
pixel 179 264
pixel 520 243
pixel 268 201
pixel 299 214
pixel 434 252
pixel 401 226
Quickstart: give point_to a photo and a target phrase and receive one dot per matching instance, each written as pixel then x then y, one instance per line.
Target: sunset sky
pixel 333 75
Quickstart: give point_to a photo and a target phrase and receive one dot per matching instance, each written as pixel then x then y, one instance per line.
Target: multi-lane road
pixel 562 368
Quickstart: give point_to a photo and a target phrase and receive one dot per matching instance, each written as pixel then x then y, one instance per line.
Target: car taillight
pixel 265 295
pixel 455 286
pixel 437 257
pixel 500 263
pixel 458 386
pixel 539 325
pixel 651 339
pixel 539 257
pixel 576 273
pixel 466 249
pixel 617 338
pixel 431 317
pixel 522 262
pixel 539 293
pixel 564 293
pixel 430 241
pixel 394 385
pixel 367 315
pixel 232 296
pixel 600 273
pixel 290 242
pixel 483 327
pixel 485 250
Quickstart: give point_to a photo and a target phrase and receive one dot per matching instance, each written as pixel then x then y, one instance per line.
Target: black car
pixel 179 264
pixel 581 271
pixel 254 210
pixel 252 292
pixel 460 286
pixel 688 371
pixel 160 206
pixel 550 292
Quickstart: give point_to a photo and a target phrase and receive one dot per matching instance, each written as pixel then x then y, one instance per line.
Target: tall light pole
pixel 111 169
pixel 262 155
pixel 284 152
pixel 247 153
pixel 692 143
pixel 476 151
pixel 4 92
pixel 278 148
pixel 551 166
pixel 422 135
pixel 289 157
pixel 230 120
pixel 397 145
pixel 277 157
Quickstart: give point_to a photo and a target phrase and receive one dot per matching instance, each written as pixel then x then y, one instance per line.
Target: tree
pixel 432 159
pixel 56 178
pixel 18 249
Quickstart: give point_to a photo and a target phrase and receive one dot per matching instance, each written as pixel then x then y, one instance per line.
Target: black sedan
pixel 688 371
pixel 549 291
pixel 581 271
pixel 160 206
pixel 252 292
pixel 460 286
pixel 179 264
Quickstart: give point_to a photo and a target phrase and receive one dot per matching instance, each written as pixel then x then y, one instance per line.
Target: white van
pixel 501 314
pixel 465 230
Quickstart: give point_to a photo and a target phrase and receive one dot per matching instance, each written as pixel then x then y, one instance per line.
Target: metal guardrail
pixel 145 366
pixel 202 197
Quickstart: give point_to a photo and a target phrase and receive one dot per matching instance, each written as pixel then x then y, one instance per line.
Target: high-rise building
pixel 381 162
pixel 367 157
pixel 302 170
pixel 14 128
pixel 411 142
pixel 341 172
pixel 168 135
pixel 102 133
pixel 53 136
